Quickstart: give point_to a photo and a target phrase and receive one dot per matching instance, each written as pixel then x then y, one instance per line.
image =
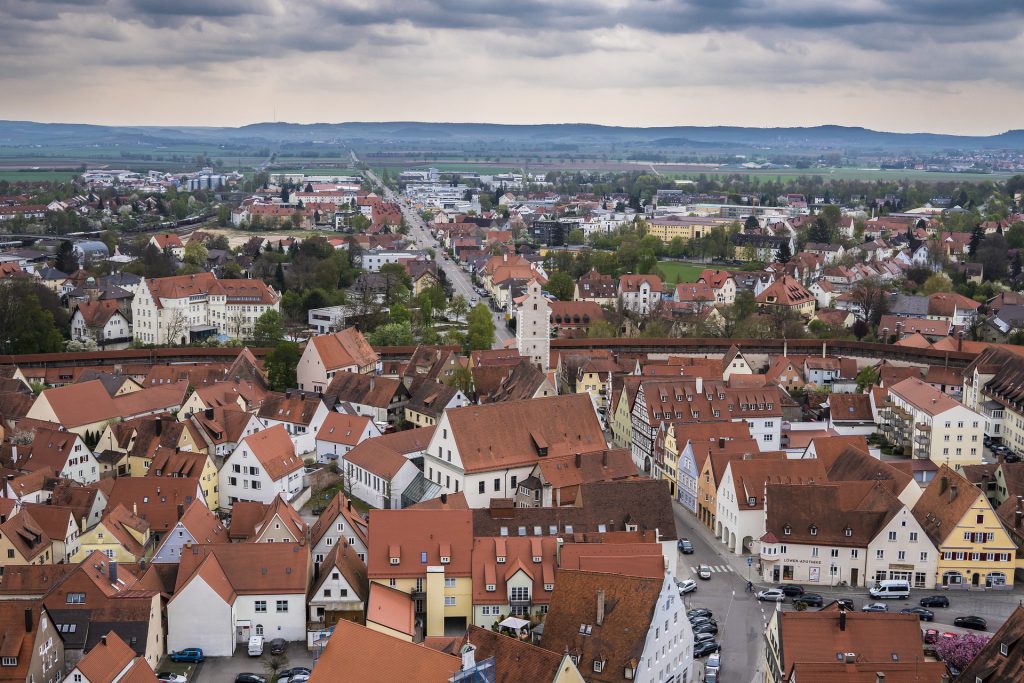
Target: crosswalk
pixel 722 568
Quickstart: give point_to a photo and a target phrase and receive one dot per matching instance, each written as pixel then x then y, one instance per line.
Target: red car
pixel 931 636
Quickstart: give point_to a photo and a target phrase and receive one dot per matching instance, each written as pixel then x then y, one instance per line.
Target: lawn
pixel 40 176
pixel 684 272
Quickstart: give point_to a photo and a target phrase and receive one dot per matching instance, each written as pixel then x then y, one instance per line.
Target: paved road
pixel 459 278
pixel 741 619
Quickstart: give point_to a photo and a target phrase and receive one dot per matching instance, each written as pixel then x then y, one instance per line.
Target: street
pixel 742 619
pixel 459 278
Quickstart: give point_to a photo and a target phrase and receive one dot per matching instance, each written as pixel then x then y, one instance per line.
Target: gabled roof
pixel 515 433
pixel 344 348
pixel 342 428
pixel 202 524
pixel 251 568
pixel 288 515
pixel 76 405
pixel 749 478
pixel 295 408
pixel 343 558
pixel 845 515
pixel 339 506
pixel 50 449
pixel 275 451
pixel 431 398
pixel 944 503
pixel 850 407
pixel 103 663
pixel 515 661
pixel 632 283
pixel 377 458
pixel 96 314
pixel 154 499
pixel 629 604
pixel 359 653
pixel 368 390
pixel 924 396
pixel 26 535
pixel 414 533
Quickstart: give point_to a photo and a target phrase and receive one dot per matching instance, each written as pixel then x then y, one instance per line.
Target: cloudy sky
pixel 905 65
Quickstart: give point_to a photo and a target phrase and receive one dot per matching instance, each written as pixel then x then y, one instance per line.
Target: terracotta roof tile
pixel 275 451
pixel 344 348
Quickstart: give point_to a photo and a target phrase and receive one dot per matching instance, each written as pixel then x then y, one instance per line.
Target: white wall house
pixel 668 647
pixel 65 452
pixel 262 466
pixel 340 433
pixel 379 476
pixel 100 321
pixel 299 418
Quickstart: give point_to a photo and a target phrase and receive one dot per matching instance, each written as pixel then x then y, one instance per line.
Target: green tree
pixel 195 254
pixel 66 260
pixel 576 236
pixel 480 333
pixel 392 334
pixel 938 282
pixel 281 363
pixel 601 329
pixel 562 286
pixel 26 326
pixel 462 379
pixel 459 307
pixel 268 330
pixel 866 377
pixel 993 255
pixel 224 215
pixel 784 254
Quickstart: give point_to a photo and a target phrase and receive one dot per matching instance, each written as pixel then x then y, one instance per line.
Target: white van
pixel 891 589
pixel 255 646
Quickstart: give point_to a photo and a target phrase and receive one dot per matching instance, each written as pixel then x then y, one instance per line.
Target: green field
pixel 685 272
pixel 37 176
pixel 314 170
pixel 845 173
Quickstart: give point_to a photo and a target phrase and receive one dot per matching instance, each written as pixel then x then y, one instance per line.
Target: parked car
pixel 277 646
pixel 934 601
pixel 845 603
pixel 1011 458
pixel 687 586
pixel 771 595
pixel 168 677
pixel 971 622
pixel 710 675
pixel 714 662
pixel 706 648
pixel 922 613
pixel 791 589
pixel 810 600
pixel 700 621
pixel 709 627
pixel 685 547
pixel 704 571
pixel 875 607
pixel 299 670
pixel 249 678
pixel 931 636
pixel 189 654
pixel 703 637
pixel 698 612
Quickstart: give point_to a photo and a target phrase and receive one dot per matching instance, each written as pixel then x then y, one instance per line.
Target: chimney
pixel 444 499
pixel 159 426
pixel 721 443
pixel 600 607
pixel 604 458
pixel 135 508
pixel 700 384
pixel 103 641
pixel 112 571
pixel 181 510
pixel 209 413
pixel 952 493
pixel 373 382
pixel 349 506
pixel 842 619
pixel 579 460
pixel 28 620
pixel 879 677
pixel 943 484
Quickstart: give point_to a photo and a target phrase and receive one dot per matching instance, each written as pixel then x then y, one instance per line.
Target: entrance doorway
pixel 854 576
pixel 976 579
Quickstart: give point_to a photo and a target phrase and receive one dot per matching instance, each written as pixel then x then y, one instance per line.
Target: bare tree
pixel 175 327
pixel 871 298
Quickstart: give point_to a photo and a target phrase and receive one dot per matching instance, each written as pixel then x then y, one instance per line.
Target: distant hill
pixel 18 133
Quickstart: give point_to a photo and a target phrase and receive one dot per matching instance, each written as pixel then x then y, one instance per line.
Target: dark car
pixel 701 621
pixel 703 637
pixel 277 646
pixel 922 613
pixel 810 600
pixel 189 654
pixel 971 622
pixel 698 612
pixel 708 627
pixel 685 547
pixel 934 601
pixel 1011 458
pixel 791 590
pixel 705 648
pixel 299 670
pixel 845 603
pixel 249 678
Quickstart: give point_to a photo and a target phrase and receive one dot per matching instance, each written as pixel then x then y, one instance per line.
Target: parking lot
pixel 224 669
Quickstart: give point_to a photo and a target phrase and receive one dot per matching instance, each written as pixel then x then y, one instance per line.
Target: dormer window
pixel 9 661
pixel 445 560
pixel 814 530
pixel 787 530
pixel 848 531
pixel 598 665
pixel 491 588
pixel 501 559
pixel 752 501
pixel 549 586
